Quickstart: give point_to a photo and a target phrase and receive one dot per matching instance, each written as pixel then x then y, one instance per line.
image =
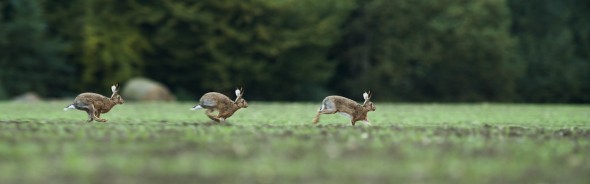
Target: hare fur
pixel 95 104
pixel 350 108
pixel 214 101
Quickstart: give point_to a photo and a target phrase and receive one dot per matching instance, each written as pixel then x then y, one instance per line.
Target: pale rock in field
pixel 27 97
pixel 142 89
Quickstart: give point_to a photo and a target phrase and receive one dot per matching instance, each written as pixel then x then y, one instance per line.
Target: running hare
pixel 347 107
pixel 95 104
pixel 216 101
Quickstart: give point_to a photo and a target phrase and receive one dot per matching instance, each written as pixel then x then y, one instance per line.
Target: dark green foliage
pixel 408 50
pixel 263 45
pixel 554 41
pixel 104 40
pixel 428 50
pixel 29 59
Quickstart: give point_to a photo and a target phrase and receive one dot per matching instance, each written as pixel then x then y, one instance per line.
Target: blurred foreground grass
pixel 276 143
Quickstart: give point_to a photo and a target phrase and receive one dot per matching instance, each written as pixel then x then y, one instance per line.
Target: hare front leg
pixel 352 122
pixel 366 122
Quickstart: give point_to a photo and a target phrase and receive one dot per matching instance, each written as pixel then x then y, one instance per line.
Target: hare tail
pixel 196 107
pixel 71 106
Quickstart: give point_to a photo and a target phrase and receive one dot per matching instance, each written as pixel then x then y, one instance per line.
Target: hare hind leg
pixel 316 119
pixel 211 116
pixel 89 109
pixel 92 114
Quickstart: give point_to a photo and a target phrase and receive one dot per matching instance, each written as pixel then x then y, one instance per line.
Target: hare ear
pixel 366 96
pixel 115 87
pixel 238 92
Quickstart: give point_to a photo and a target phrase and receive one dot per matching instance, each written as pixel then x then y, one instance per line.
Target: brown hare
pixel 95 104
pixel 347 107
pixel 213 101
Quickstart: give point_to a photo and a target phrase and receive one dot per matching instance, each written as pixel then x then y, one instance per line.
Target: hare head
pixel 115 97
pixel 240 102
pixel 368 104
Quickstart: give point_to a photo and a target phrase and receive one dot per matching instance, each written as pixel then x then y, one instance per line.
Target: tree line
pixel 299 50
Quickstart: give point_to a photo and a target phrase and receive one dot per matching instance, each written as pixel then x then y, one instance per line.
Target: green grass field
pixel 276 143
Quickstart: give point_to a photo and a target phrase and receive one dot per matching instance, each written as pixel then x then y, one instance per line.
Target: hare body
pixel 347 107
pixel 214 101
pixel 95 104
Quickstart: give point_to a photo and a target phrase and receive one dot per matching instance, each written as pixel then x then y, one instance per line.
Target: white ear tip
pixel 238 92
pixel 113 88
pixel 365 95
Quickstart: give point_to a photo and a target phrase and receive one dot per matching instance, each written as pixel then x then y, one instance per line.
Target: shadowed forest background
pixel 301 50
